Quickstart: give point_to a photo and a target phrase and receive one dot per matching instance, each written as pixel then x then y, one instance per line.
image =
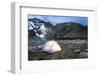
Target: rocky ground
pixel 71 49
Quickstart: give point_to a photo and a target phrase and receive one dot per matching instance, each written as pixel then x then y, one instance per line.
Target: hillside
pixel 68 30
pixel 71 30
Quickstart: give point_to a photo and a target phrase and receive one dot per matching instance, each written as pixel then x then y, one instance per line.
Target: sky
pixel 61 19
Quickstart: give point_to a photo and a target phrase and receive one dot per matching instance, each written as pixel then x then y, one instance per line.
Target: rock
pixel 51 47
pixel 83 55
pixel 86 50
pixel 77 50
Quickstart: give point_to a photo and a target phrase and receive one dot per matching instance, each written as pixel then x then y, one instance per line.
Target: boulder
pixel 83 55
pixel 77 50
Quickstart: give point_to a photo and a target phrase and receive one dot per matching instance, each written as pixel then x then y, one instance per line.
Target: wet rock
pixel 83 55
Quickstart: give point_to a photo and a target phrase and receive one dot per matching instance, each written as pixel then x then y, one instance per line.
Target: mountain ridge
pixel 63 30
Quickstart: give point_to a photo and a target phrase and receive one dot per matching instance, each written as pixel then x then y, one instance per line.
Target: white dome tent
pixel 51 47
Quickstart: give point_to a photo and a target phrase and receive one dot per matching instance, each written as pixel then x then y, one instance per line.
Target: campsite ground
pixel 71 49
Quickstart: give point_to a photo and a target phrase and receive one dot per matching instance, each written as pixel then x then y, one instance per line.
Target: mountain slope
pixel 71 30
pixel 68 30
